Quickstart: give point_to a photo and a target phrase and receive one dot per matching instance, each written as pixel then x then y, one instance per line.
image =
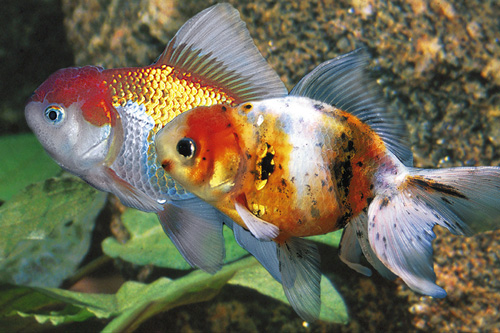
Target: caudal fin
pixel 400 219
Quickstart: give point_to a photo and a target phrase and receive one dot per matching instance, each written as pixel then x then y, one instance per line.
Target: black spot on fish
pixel 266 165
pixel 377 236
pixel 249 156
pixel 359 234
pixel 204 158
pixel 429 184
pixel 360 164
pixel 344 219
pixel 283 182
pixel 384 203
pixel 323 183
pixel 319 107
pixel 224 109
pixel 248 106
pixel 446 200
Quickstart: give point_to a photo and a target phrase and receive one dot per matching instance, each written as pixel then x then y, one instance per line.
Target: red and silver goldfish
pixel 99 124
pixel 329 156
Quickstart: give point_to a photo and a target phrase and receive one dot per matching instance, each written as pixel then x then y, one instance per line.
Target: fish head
pixel 201 150
pixel 72 116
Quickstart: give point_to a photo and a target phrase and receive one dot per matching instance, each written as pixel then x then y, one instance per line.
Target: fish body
pixel 305 165
pixel 329 156
pixel 100 124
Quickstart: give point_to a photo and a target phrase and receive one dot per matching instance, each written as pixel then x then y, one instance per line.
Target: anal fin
pixel 301 276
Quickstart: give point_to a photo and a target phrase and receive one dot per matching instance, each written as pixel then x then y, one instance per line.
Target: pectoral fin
pixel 259 228
pixel 195 228
pixel 128 194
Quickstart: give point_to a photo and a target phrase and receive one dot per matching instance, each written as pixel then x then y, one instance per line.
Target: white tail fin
pixel 401 218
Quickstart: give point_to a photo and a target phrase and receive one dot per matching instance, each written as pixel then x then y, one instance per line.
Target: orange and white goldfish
pixel 329 156
pixel 99 124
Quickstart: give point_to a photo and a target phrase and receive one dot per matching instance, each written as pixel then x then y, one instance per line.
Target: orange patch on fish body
pixel 306 183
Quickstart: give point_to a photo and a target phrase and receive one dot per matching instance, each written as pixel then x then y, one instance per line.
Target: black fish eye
pixel 186 147
pixel 54 114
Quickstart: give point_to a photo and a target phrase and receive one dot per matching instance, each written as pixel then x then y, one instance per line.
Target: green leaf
pixel 332 238
pixel 24 162
pixel 46 231
pixel 21 308
pixel 148 243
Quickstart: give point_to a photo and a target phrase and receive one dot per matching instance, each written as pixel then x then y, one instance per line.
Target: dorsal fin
pixel 216 45
pixel 344 83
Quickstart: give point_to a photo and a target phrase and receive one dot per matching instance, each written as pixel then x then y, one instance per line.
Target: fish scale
pixel 163 91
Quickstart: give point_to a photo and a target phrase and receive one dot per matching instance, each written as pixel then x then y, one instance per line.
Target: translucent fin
pixel 344 83
pixel 468 199
pixel 301 277
pixel 400 233
pixel 463 200
pixel 350 251
pixel 264 251
pixel 360 225
pixel 128 194
pixel 259 228
pixel 215 45
pixel 195 228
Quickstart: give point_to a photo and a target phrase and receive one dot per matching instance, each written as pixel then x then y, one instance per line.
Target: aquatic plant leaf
pixel 148 243
pixel 332 238
pixel 333 308
pixel 24 162
pixel 46 231
pixel 25 308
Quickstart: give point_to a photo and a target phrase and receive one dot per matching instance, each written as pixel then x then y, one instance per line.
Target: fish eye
pixel 186 147
pixel 54 114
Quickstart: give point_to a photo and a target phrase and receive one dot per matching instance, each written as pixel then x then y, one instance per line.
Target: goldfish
pixel 99 124
pixel 329 156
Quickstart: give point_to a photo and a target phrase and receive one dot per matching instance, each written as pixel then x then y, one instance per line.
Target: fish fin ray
pixel 195 228
pixel 301 276
pixel 128 194
pixel 264 251
pixel 344 83
pixel 468 199
pixel 259 228
pixel 401 235
pixel 350 251
pixel 216 45
pixel 401 220
pixel 360 225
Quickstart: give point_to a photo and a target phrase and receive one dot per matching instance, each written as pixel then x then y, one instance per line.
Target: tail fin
pixel 400 219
